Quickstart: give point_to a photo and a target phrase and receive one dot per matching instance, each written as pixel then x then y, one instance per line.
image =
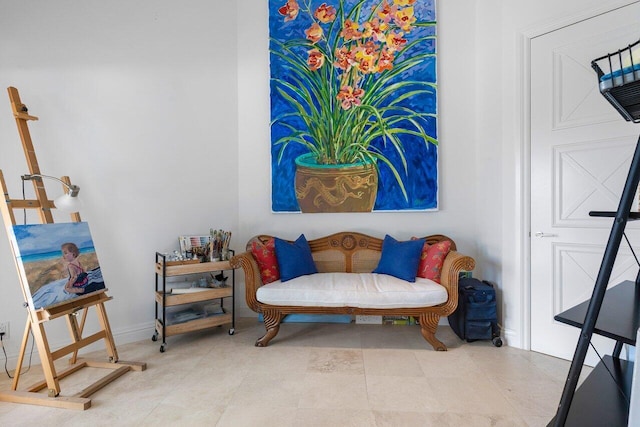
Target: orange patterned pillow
pixel 265 255
pixel 432 259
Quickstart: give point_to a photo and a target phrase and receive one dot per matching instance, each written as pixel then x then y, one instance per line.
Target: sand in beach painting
pixel 57 262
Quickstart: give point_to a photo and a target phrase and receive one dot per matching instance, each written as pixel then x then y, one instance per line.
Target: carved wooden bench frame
pixel 361 254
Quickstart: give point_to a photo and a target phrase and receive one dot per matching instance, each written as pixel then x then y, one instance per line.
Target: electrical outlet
pixel 4 327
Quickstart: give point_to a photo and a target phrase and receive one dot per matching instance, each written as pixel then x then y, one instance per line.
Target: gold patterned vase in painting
pixel 335 188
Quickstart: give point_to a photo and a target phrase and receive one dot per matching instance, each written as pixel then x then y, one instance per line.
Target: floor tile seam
pixel 158 405
pixel 269 405
pixel 361 412
pixel 525 376
pixel 495 376
pixel 528 380
pixel 223 421
pixel 260 404
pixel 400 377
pixel 369 372
pixel 507 397
pixel 508 402
pixel 477 372
pixel 236 389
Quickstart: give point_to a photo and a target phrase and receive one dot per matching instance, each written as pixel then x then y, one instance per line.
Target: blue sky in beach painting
pixel 37 242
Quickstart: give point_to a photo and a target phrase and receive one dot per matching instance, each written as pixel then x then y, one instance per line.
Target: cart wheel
pixel 497 341
pixel 154 337
pixel 232 331
pixel 162 348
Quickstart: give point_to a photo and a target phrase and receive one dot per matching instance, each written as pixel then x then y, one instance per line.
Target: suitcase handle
pixel 484 281
pixel 488 298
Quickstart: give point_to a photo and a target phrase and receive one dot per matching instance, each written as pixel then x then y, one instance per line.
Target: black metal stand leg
pixel 233 300
pixel 617 350
pixel 610 253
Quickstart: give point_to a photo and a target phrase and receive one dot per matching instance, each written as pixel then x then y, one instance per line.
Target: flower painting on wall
pixel 353 105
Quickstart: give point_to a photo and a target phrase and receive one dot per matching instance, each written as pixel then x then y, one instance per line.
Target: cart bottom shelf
pixel 193 325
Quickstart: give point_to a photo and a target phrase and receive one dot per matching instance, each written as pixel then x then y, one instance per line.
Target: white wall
pixel 137 104
pixel 162 118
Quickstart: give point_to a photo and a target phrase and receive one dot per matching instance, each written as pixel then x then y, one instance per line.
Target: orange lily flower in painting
pixel 395 41
pixel 404 18
pixel 403 3
pixel 315 60
pixel 325 14
pixel 366 61
pixel 385 62
pixel 344 59
pixel 350 30
pixel 314 33
pixel 375 29
pixel 290 10
pixel 387 12
pixel 350 97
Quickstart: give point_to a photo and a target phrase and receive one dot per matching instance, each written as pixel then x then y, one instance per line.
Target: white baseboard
pixel 368 320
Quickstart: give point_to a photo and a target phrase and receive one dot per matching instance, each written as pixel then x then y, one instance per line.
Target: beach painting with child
pixel 57 261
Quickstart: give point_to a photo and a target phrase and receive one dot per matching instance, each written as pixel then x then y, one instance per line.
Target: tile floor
pixel 311 374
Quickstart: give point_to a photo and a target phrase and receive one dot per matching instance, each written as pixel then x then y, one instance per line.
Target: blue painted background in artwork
pixel 421 177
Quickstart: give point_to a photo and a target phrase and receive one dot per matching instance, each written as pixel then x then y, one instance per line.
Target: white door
pixel 581 149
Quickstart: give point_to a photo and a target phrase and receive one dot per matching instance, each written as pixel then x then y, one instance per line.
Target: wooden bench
pixel 353 252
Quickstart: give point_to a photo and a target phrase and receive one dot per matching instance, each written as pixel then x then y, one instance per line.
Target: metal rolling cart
pixel 165 298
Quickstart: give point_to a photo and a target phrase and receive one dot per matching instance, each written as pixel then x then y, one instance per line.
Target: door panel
pixel 581 149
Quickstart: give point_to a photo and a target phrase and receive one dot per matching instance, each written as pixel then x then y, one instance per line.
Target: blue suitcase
pixel 476 317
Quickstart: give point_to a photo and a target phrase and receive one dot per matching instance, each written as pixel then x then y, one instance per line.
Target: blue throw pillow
pixel 294 259
pixel 400 259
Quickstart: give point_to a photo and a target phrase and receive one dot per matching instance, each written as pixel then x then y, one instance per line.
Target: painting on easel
pixel 57 262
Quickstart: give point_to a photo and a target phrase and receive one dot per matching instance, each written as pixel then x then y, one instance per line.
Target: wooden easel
pixel 68 309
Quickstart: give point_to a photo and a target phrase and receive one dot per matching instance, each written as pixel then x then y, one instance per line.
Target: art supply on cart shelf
pixel 219 245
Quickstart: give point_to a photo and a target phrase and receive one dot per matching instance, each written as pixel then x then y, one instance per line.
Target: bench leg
pixel 428 326
pixel 272 324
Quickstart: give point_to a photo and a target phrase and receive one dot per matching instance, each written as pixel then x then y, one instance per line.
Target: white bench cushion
pixel 362 290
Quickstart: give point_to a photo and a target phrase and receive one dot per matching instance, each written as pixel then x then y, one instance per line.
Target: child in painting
pixel 77 275
pixel 64 288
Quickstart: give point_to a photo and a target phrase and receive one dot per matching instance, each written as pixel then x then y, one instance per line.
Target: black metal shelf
pixel 612 214
pixel 603 398
pixel 618 317
pixel 598 401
